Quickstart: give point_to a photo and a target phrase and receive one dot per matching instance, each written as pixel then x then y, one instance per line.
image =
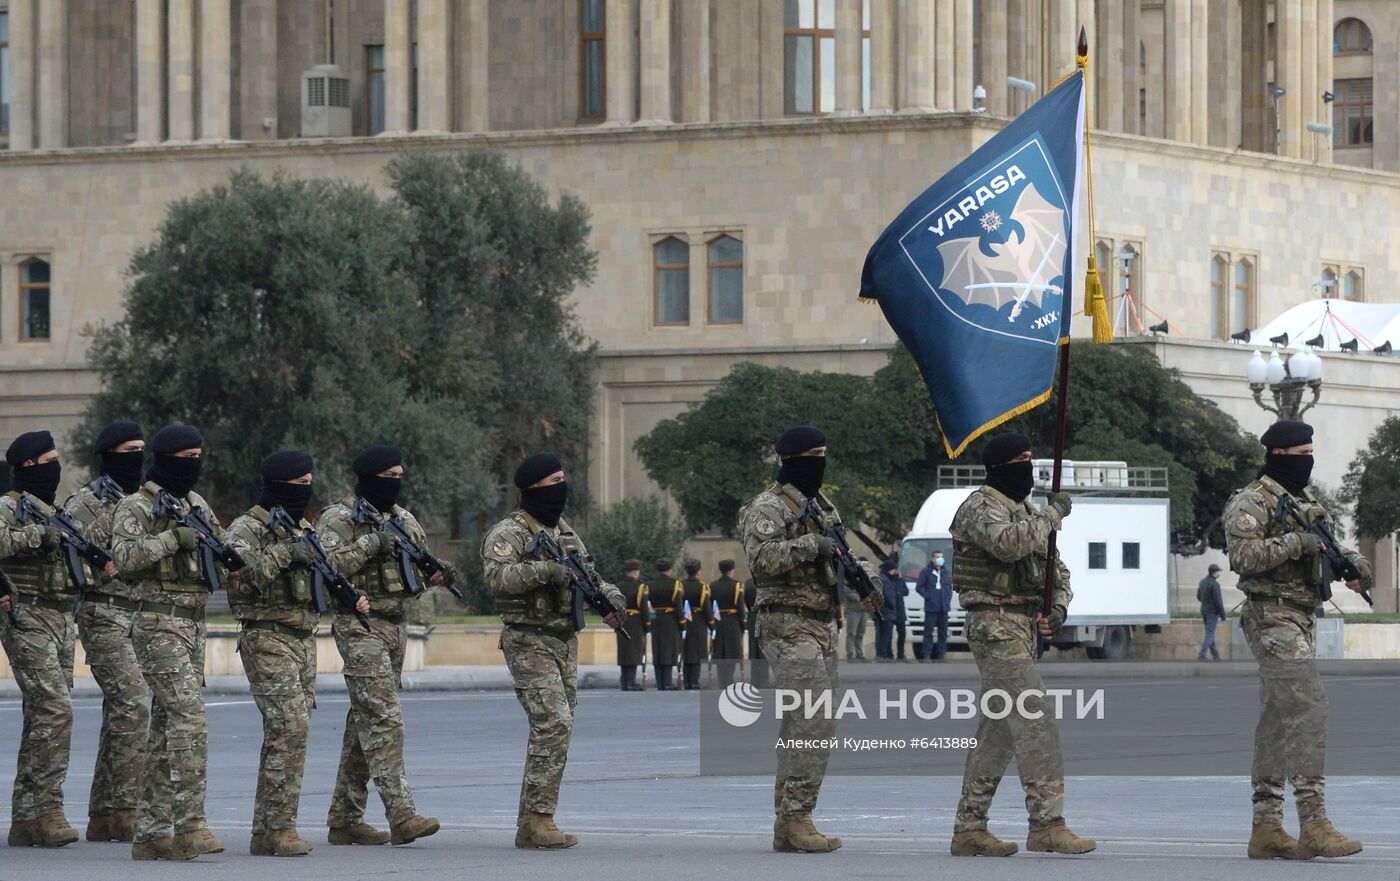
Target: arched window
pixel 1353 286
pixel 1103 256
pixel 1130 271
pixel 726 280
pixel 1219 269
pixel 1242 300
pixel 671 281
pixel 1329 282
pixel 34 280
pixel 1351 36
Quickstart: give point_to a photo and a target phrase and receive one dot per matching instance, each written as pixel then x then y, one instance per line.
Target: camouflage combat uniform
pixel 795 623
pixel 278 647
pixel 999 549
pixel 104 625
pixel 534 597
pixel 41 655
pixel 373 667
pixel 168 634
pixel 1280 571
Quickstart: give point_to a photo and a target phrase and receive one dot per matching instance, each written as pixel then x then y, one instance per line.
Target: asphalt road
pixel 634 795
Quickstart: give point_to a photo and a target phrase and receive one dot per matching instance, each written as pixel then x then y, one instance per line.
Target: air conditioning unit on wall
pixel 325 103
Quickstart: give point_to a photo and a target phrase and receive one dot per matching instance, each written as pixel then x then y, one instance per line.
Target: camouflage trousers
pixel 170 651
pixel 803 656
pixel 1291 738
pixel 1003 644
pixel 545 671
pixel 373 745
pixel 41 654
pixel 106 634
pixel 281 671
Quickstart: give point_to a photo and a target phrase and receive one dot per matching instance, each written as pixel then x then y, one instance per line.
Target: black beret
pixel 692 566
pixel 286 465
pixel 726 565
pixel 380 457
pixel 631 565
pixel 1003 448
pixel 30 445
pixel 890 565
pixel 663 565
pixel 536 468
pixel 799 439
pixel 1286 433
pixel 117 433
pixel 174 438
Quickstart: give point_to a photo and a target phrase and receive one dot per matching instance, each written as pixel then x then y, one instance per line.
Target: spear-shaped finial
pixel 1083 46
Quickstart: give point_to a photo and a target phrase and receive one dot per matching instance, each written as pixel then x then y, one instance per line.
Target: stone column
pixel 22 74
pixel 882 55
pixel 656 61
pixel 695 51
pixel 257 57
pixel 434 66
pixel 1107 61
pixel 1309 89
pixel 215 69
pixel 917 20
pixel 770 59
pixel 1062 36
pixel 1132 76
pixel 1017 21
pixel 994 49
pixel 848 56
pixel 474 86
pixel 1256 117
pixel 1201 100
pixel 1225 72
pixel 1326 21
pixel 1288 67
pixel 180 70
pixel 963 83
pixel 943 29
pixel 621 77
pixel 53 73
pixel 1176 52
pixel 398 65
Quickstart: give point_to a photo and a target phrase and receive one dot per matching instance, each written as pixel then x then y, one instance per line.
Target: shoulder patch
pixel 1246 522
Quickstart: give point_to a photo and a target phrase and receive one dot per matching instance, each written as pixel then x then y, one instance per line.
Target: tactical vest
pixel 180 572
pixel 291 589
pixel 379 577
pixel 545 604
pixel 36 571
pixel 805 584
pixel 1294 579
pixel 975 569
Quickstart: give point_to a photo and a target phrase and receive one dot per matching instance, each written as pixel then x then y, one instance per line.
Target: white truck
pixel 1116 544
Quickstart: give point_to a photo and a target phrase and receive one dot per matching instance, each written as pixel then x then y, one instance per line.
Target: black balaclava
pixel 173 473
pixel 40 481
pixel 1015 480
pixel 803 472
pixel 1292 471
pixel 124 468
pixel 277 471
pixel 545 503
pixel 381 492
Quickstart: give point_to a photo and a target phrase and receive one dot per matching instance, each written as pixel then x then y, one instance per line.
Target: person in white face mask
pixel 936 587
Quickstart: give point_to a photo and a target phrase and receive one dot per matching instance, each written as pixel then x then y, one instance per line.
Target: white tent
pixel 1371 325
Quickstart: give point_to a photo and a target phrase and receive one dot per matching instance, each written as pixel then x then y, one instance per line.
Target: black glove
pixel 1060 502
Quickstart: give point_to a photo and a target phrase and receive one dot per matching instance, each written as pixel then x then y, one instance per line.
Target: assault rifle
pixel 212 551
pixel 323 575
pixel 76 548
pixel 7 589
pixel 1338 567
pixel 108 490
pixel 412 557
pixel 846 563
pixel 584 589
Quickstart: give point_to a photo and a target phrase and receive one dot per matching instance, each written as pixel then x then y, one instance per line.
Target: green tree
pixel 640 528
pixel 1372 483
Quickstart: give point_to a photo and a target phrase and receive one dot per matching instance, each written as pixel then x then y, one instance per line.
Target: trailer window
pixel 1131 554
pixel 1098 555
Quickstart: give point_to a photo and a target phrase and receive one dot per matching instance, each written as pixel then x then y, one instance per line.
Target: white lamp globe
pixel 1275 370
pixel 1256 369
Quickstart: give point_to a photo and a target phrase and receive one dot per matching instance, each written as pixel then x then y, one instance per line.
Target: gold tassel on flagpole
pixel 1095 306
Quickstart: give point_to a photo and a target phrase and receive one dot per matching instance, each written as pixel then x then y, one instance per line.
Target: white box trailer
pixel 1116 543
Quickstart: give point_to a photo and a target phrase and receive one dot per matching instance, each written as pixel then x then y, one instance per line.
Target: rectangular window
pixel 726 273
pixel 1132 555
pixel 1352 123
pixel 592 96
pixel 1098 555
pixel 809 57
pixel 1242 300
pixel 671 280
pixel 1218 268
pixel 4 72
pixel 34 279
pixel 374 87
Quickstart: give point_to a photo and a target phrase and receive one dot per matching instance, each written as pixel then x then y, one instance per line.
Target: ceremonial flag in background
pixel 975 274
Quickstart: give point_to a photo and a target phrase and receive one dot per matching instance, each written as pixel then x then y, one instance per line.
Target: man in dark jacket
pixel 667 599
pixel 893 613
pixel 937 590
pixel 1212 610
pixel 695 647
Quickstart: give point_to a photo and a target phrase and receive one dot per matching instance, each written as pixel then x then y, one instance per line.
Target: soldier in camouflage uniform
pixel 1281 570
pixel 104 625
pixel 40 648
pixel 534 598
pixel 373 743
pixel 160 562
pixel 793 570
pixel 278 644
pixel 999 545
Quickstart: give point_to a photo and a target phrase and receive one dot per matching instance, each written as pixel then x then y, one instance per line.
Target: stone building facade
pixel 739 157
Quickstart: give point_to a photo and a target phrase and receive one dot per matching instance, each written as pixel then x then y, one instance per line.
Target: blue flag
pixel 975 274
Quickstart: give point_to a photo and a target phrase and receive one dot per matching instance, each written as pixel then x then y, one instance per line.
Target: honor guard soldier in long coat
pixel 667 598
pixel 535 595
pixel 1000 549
pixel 1282 572
pixel 631 652
pixel 696 648
pixel 793 567
pixel 728 646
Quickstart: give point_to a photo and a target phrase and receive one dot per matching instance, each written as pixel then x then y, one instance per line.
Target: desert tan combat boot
pixel 538 830
pixel 285 843
pixel 23 833
pixel 412 829
pixel 360 833
pixel 123 826
pixel 1269 841
pixel 981 843
pixel 1058 839
pixel 161 849
pixel 257 845
pixel 199 842
pixel 800 835
pixel 54 831
pixel 1319 838
pixel 99 828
